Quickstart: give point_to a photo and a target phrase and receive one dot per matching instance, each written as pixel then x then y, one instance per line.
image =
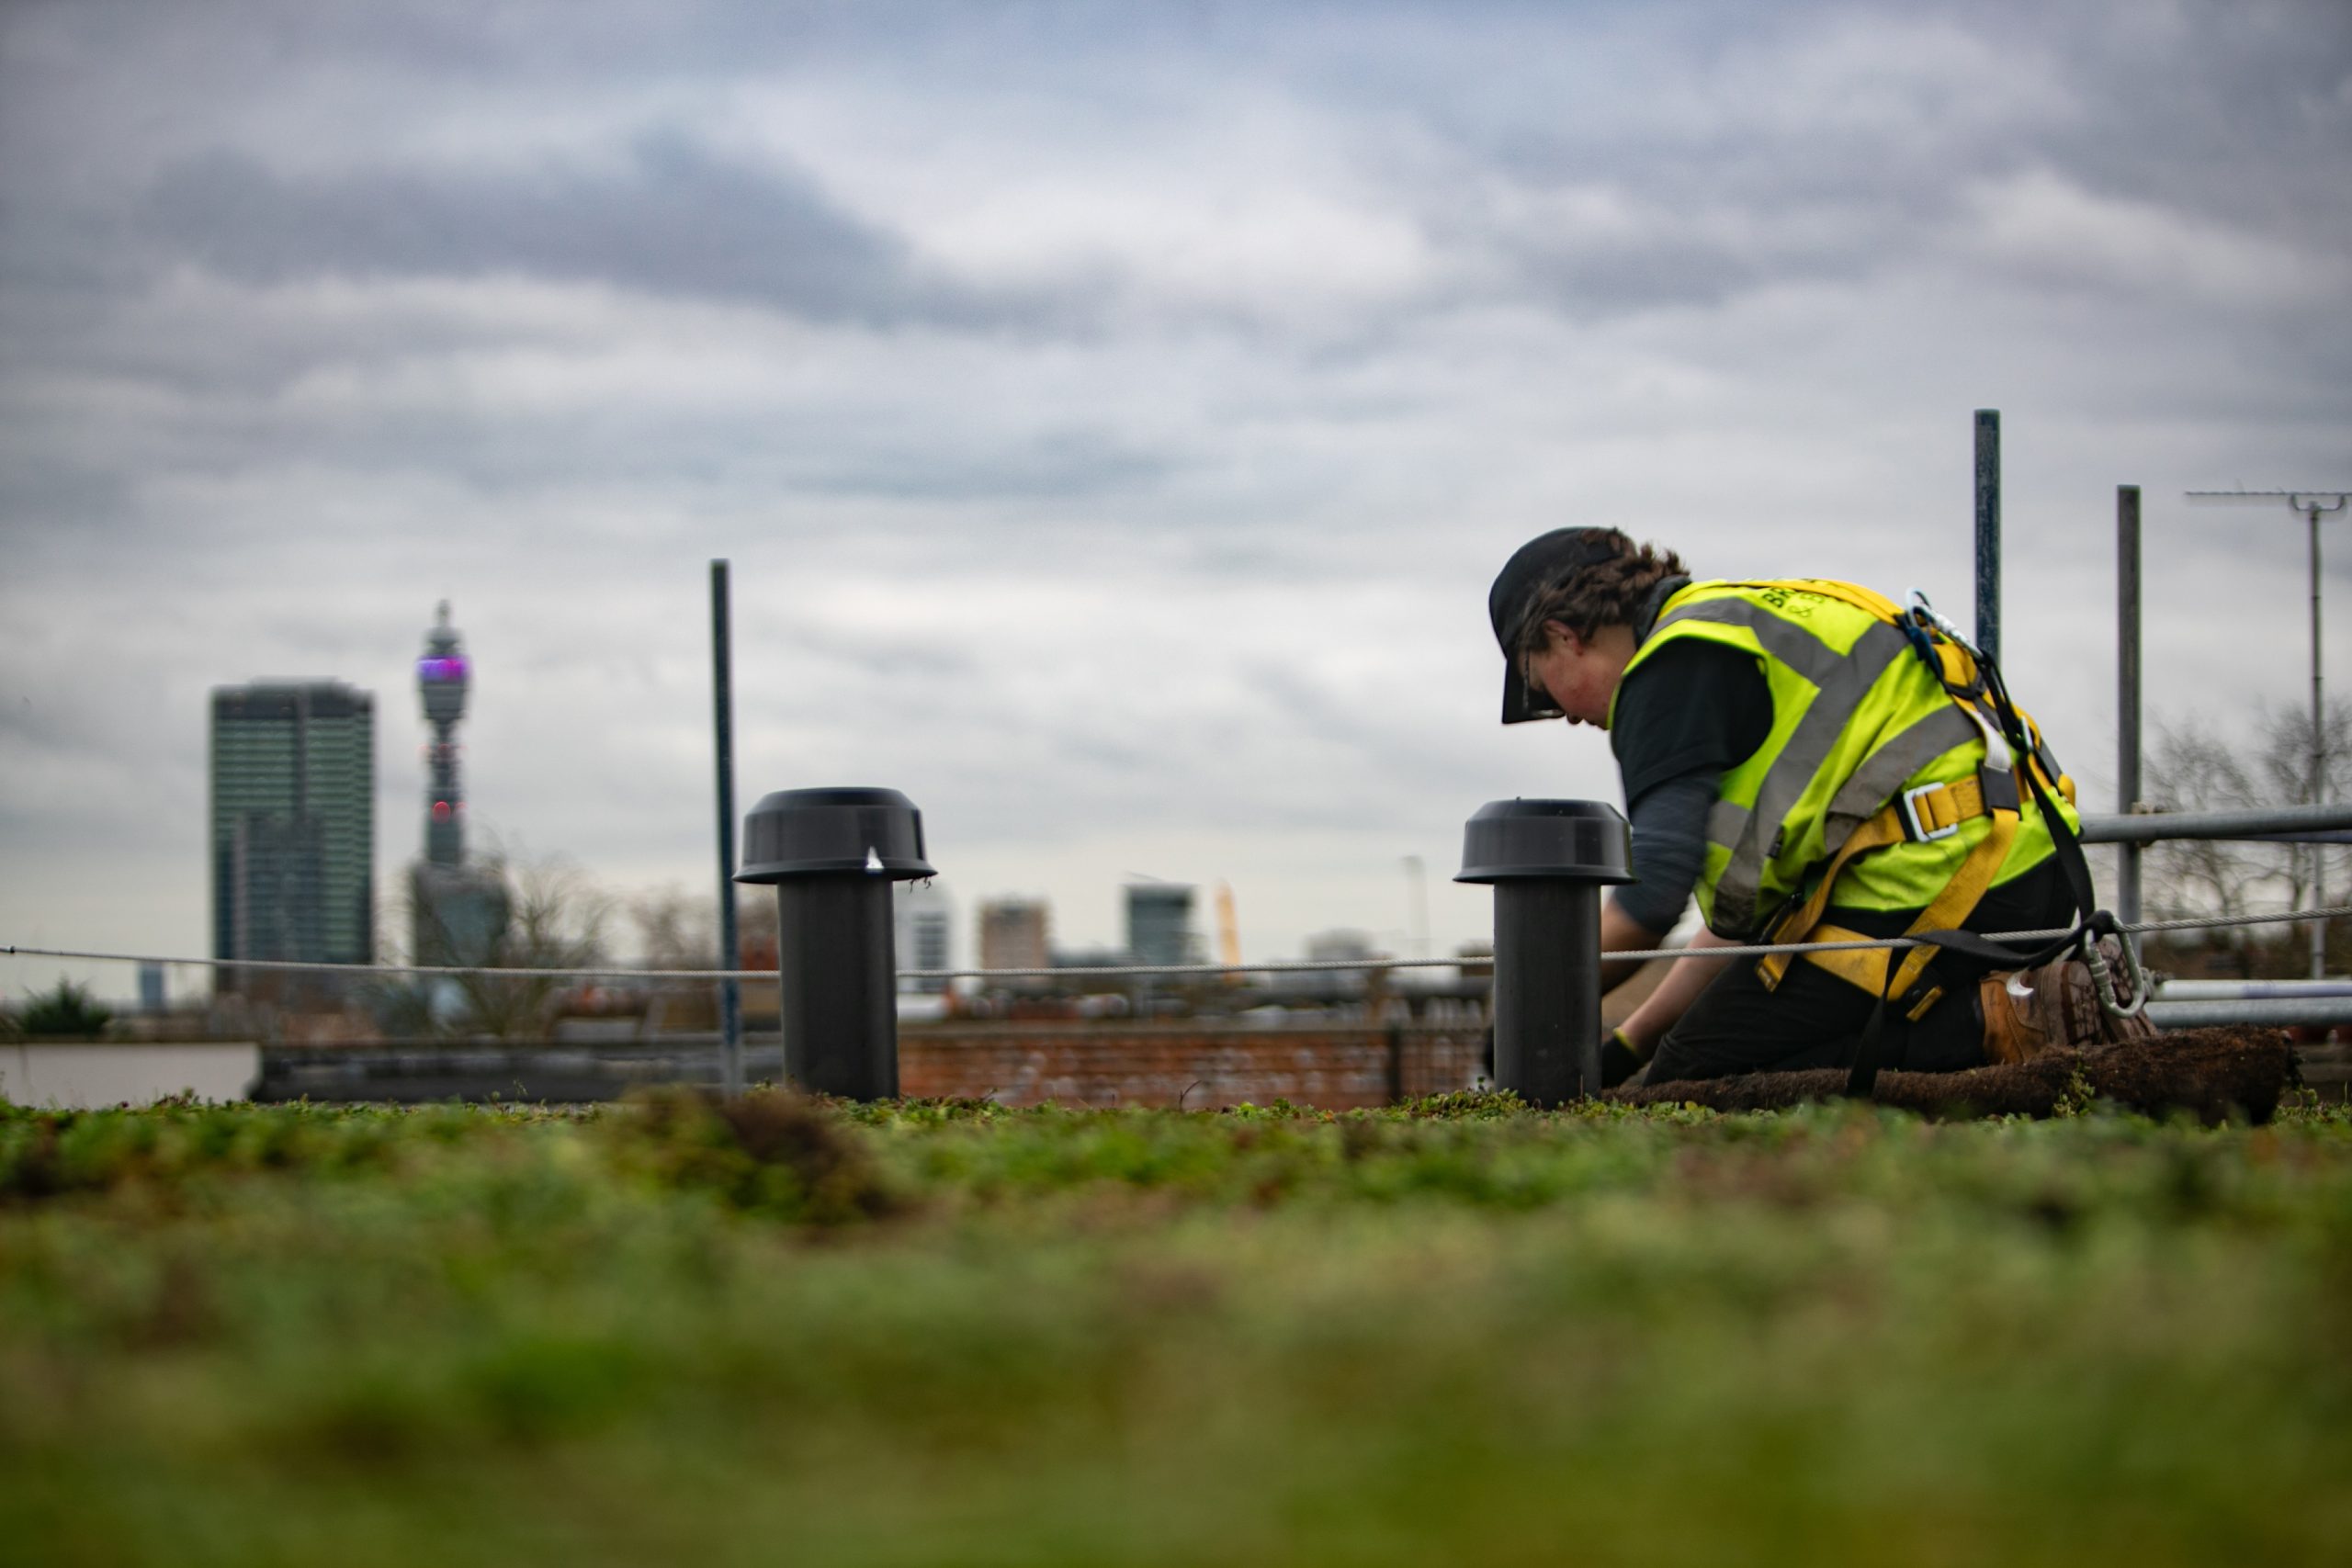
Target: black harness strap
pixel 1863 1079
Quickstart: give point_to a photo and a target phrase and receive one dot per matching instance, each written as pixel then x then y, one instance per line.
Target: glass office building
pixel 924 920
pixel 1159 922
pixel 293 777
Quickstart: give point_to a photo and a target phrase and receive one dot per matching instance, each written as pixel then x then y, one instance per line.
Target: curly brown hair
pixel 1608 593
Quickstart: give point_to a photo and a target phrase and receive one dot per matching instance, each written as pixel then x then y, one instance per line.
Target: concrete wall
pixel 82 1077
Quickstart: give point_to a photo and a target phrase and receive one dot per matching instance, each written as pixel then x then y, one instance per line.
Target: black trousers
pixel 1816 1019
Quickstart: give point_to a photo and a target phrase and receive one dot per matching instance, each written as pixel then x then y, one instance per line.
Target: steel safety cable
pixel 1292 966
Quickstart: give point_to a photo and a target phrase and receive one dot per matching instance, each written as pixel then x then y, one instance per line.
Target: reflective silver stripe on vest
pixel 1792 646
pixel 1841 681
pixel 1784 640
pixel 1883 771
pixel 1808 749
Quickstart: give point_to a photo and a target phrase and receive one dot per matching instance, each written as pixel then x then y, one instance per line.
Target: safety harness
pixel 2015 751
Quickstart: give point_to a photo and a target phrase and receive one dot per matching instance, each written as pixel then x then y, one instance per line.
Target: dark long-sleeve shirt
pixel 1685 716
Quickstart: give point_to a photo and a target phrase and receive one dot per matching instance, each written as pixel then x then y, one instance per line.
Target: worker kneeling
pixel 1822 765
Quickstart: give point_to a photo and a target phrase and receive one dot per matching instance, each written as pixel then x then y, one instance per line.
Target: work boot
pixel 2052 1007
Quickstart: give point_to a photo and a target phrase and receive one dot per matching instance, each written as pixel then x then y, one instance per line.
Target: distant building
pixel 1334 947
pixel 1095 972
pixel 1330 947
pixel 293 827
pixel 456 911
pixel 924 919
pixel 151 988
pixel 1159 924
pixel 1015 933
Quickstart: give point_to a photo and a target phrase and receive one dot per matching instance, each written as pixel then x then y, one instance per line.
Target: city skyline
pixel 1114 415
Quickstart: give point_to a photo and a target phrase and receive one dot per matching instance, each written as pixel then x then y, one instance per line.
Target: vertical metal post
pixel 722 689
pixel 1988 533
pixel 2319 764
pixel 2127 692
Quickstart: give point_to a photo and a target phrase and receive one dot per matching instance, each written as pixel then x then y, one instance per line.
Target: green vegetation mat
pixel 1462 1333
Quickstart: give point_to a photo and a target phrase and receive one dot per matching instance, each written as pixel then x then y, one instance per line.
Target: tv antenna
pixel 2313 505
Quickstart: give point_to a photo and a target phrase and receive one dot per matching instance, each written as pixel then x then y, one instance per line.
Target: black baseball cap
pixel 1544 563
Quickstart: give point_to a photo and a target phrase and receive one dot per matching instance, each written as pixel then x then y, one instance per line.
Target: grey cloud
pixel 915 653
pixel 1728 178
pixel 2239 111
pixel 1052 463
pixel 1610 278
pixel 671 221
pixel 42 495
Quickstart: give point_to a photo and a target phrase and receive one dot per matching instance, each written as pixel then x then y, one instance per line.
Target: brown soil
pixel 2215 1074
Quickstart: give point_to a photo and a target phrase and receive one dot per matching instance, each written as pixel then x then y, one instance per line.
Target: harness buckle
pixel 1919 832
pixel 1999 786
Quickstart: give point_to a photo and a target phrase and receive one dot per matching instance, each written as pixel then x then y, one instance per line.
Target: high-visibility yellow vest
pixel 1877 773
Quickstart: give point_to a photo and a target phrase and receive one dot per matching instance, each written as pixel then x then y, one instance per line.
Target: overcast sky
pixel 1114 413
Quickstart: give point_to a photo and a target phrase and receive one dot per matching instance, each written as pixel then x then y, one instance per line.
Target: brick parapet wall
pixel 1197 1066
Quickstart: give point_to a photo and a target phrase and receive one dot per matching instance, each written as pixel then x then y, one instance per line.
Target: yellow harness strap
pixel 1854 593
pixel 1865 966
pixel 1938 809
pixel 1881 830
pixel 1929 812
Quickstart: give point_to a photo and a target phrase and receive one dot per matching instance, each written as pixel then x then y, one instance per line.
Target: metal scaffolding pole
pixel 1988 533
pixel 2127 692
pixel 730 954
pixel 2287 824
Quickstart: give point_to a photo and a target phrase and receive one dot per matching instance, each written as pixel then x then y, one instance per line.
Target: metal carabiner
pixel 2104 978
pixel 2140 987
pixel 1926 614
